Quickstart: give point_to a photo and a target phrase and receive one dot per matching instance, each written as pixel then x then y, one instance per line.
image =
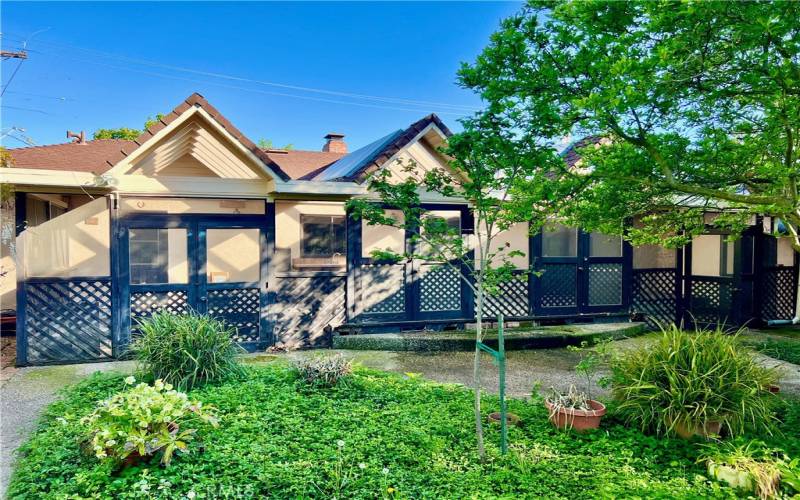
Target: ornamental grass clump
pixel 143 421
pixel 701 382
pixel 323 371
pixel 187 350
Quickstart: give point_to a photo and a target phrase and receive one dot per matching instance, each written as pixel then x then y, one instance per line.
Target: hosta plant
pixel 143 421
pixel 702 382
pixel 323 371
pixel 187 350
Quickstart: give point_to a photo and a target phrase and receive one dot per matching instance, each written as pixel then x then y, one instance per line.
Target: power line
pixel 144 62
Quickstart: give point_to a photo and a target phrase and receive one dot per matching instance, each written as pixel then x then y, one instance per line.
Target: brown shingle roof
pixel 88 157
pixel 571 155
pixel 300 164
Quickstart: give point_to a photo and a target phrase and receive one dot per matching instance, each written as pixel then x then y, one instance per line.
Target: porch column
pixel 22 334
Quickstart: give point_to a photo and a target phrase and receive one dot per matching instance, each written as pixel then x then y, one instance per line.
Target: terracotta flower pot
pixel 511 419
pixel 580 420
pixel 710 428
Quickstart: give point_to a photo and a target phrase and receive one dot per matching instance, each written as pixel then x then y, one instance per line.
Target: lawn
pixel 378 435
pixel 783 343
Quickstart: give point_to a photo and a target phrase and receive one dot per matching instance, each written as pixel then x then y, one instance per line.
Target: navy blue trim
pixel 20 208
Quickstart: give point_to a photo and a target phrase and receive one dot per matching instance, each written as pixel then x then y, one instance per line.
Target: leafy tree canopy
pixel 128 134
pixel 697 105
pixel 267 144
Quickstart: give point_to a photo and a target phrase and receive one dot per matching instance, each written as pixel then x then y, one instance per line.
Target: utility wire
pixel 144 62
pixel 258 91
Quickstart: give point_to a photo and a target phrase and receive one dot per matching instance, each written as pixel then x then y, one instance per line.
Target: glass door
pixel 602 288
pixel 209 265
pixel 232 277
pixel 558 265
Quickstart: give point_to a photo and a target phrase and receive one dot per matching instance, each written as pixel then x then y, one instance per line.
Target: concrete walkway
pixel 25 394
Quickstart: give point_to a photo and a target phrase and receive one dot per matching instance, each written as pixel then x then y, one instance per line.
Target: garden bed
pixel 400 437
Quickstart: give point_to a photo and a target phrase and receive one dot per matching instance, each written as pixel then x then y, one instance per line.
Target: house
pixel 194 216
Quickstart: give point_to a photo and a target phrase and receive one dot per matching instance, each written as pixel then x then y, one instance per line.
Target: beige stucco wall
pixel 8 269
pixel 653 256
pixel 516 238
pixel 73 244
pixel 706 255
pixel 785 252
pixel 191 206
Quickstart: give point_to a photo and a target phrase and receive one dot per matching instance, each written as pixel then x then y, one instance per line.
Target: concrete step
pixel 464 340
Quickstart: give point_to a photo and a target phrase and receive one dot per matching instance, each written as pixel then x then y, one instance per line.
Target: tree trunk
pixel 476 373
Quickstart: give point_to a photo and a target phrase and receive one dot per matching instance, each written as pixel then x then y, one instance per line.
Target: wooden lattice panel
pixel 238 307
pixel 559 285
pixel 144 304
pixel 654 295
pixel 778 293
pixel 511 301
pixel 711 300
pixel 383 289
pixel 605 284
pixel 68 320
pixel 305 308
pixel 440 289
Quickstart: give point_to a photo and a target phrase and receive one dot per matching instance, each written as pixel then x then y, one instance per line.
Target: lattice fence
pixel 654 295
pixel 440 289
pixel 68 320
pixel 511 301
pixel 144 304
pixel 382 289
pixel 559 285
pixel 605 284
pixel 711 300
pixel 238 307
pixel 305 308
pixel 778 293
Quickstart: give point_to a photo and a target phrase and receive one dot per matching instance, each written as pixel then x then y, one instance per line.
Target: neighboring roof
pixel 299 164
pixel 90 156
pixel 357 165
pixel 571 155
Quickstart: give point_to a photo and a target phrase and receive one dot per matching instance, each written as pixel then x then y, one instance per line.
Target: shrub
pixel 687 380
pixel 323 371
pixel 187 350
pixel 143 421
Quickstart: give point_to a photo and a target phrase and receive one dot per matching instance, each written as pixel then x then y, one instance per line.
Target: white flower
pixel 130 380
pixel 362 466
pixel 191 494
pixel 385 471
pixel 340 443
pixel 62 420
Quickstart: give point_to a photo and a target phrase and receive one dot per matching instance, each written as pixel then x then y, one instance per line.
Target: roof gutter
pixel 54 178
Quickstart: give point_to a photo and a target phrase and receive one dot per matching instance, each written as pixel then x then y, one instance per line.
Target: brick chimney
pixel 334 143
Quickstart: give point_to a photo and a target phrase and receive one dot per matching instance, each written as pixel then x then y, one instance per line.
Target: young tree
pixel 485 166
pixel 695 105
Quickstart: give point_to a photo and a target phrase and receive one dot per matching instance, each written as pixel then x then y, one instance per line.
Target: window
pixel 604 245
pixel 233 255
pixel 158 256
pixel 323 236
pixel 559 241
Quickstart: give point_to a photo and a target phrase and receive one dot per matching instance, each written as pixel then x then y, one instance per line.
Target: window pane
pixel 158 256
pixel 233 255
pixel 324 241
pixel 605 245
pixel 559 241
pixel 383 237
pixel 707 255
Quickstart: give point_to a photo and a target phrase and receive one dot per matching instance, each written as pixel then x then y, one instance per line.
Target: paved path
pixel 26 393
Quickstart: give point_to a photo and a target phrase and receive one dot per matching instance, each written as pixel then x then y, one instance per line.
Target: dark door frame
pixel 197 287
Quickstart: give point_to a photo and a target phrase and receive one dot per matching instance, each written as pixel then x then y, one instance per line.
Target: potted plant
pixel 574 410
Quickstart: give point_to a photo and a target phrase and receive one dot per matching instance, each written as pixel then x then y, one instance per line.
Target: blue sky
pixel 94 65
